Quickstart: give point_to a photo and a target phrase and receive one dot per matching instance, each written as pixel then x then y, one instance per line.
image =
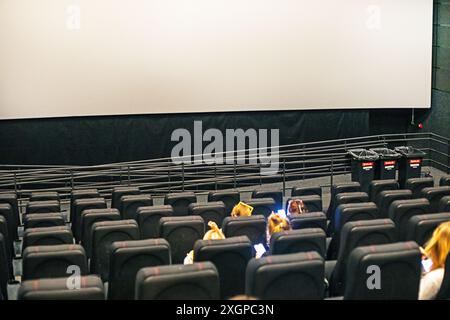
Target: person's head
pixel 438 247
pixel 277 224
pixel 242 210
pixel 296 206
pixel 215 233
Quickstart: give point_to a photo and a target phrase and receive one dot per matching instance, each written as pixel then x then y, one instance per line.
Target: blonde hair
pixel 438 247
pixel 242 210
pixel 215 233
pixel 277 224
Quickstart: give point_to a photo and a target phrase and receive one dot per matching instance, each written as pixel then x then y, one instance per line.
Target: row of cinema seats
pixel 104 233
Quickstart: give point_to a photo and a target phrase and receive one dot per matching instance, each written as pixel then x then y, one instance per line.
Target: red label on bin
pixel 389 163
pixel 415 161
pixel 367 164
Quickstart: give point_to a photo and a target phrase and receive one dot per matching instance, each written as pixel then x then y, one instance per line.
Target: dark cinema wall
pixel 97 140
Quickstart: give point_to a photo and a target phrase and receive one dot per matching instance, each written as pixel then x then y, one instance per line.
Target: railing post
pixel 71 180
pixel 332 171
pixel 303 163
pixel 448 157
pixel 168 175
pixel 260 176
pixel 182 176
pixel 284 177
pixel 234 175
pixel 15 183
pixel 215 176
pixel 128 172
pixel 120 174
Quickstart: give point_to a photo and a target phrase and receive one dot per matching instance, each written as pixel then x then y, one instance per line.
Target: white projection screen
pixel 105 57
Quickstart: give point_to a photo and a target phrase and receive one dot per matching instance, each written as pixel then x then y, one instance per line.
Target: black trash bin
pixel 387 164
pixel 410 164
pixel 363 166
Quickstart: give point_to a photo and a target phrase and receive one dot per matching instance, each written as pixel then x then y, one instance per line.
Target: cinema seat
pixel 354 212
pixel 4 268
pixel 416 185
pixel 276 195
pixel 313 202
pixel 229 198
pixel 181 233
pixel 309 220
pixel 301 240
pixel 180 202
pixel 400 211
pixel 103 234
pixel 48 206
pixel 91 288
pixel 119 192
pixel 262 206
pixel 198 281
pixel 131 203
pixel 47 236
pixel 230 256
pixel 376 186
pixel 11 199
pixel 211 211
pixel 444 181
pixel 148 219
pixel 8 244
pixel 306 191
pixel 421 227
pixel 356 234
pixel 79 206
pixel 44 196
pixel 7 214
pixel 127 258
pixel 254 227
pixel 345 198
pixel 341 188
pixel 88 218
pixel 399 269
pixel 52 261
pixel 444 204
pixel 295 276
pixel 434 195
pixel 444 291
pixel 385 198
pixel 43 220
pixel 82 194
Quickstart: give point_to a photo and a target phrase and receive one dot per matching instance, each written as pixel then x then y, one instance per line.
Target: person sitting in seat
pixel 296 206
pixel 275 223
pixel 242 210
pixel 214 234
pixel 436 251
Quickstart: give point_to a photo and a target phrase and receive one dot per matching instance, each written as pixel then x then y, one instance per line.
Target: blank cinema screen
pixel 106 57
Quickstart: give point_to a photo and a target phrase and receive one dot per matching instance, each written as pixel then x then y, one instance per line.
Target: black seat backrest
pixel 53 261
pixel 47 236
pixel 356 234
pixel 301 240
pixel 416 185
pixel 103 234
pixel 385 198
pixel 376 186
pixel 118 192
pixel 421 227
pixel 345 198
pixel 295 276
pixel 230 256
pixel 397 266
pixel 8 246
pixel 211 211
pixel 198 281
pixel 88 218
pixel 148 219
pixel 91 288
pixel 306 191
pixel 276 195
pixel 48 206
pixel 229 198
pixel 129 204
pixel 4 268
pixel 43 220
pixel 354 212
pixel 82 194
pixel 44 196
pixel 313 202
pixel 444 204
pixel 11 199
pixel 401 211
pixel 309 220
pixel 254 227
pixel 180 202
pixel 444 291
pixel 79 206
pixel 262 206
pixel 7 214
pixel 434 195
pixel 181 233
pixel 127 258
pixel 341 188
pixel 444 181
